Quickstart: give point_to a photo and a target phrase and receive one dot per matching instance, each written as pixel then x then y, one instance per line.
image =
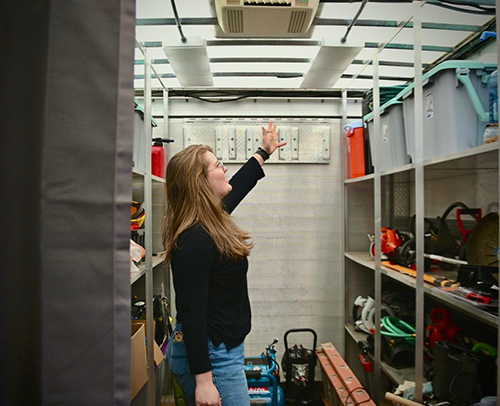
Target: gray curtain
pixel 66 116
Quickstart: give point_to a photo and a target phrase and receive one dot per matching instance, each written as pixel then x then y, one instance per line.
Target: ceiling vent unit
pixel 263 18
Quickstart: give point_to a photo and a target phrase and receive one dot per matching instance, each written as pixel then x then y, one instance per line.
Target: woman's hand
pixel 206 394
pixel 270 138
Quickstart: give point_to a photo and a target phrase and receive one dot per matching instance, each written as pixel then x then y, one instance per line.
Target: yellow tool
pixel 435 280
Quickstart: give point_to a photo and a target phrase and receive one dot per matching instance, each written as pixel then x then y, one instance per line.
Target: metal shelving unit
pixel 157 260
pixel 469 174
pixel 153 278
pixel 364 259
pixel 360 179
pixel 157 179
pixel 397 376
pixel 468 158
pixel 137 172
pixel 401 169
pixel 448 168
pixel 483 157
pixel 142 191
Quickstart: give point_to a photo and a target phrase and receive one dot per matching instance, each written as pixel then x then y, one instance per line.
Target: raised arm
pixel 246 178
pixel 269 144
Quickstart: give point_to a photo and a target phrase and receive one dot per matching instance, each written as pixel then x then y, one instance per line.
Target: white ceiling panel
pixel 158 33
pixel 185 8
pixel 269 62
pixel 259 67
pixel 371 11
pixel 257 82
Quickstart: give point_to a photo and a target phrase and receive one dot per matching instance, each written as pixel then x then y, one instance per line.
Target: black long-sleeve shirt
pixel 211 291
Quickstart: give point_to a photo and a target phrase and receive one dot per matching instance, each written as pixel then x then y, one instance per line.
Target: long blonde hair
pixel 191 200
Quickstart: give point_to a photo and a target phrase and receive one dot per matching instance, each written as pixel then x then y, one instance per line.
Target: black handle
pixel 472 212
pixel 301 330
pixel 164 140
pixel 253 374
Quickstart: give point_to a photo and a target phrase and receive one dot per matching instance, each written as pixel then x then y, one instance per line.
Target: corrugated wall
pixel 295 217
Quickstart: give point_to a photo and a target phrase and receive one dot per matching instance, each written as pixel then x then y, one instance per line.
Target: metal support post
pixel 148 224
pixel 343 200
pixel 419 203
pixel 378 224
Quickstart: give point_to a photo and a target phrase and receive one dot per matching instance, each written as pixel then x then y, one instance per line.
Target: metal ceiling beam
pixel 393 23
pixel 257 93
pixel 393 64
pixel 282 75
pixel 283 60
pixel 237 60
pixel 370 77
pixel 171 21
pixel 290 42
pixel 333 22
pixel 432 48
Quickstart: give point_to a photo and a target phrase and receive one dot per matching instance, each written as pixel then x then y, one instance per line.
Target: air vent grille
pixel 268 3
pixel 234 19
pixel 298 22
pixel 266 18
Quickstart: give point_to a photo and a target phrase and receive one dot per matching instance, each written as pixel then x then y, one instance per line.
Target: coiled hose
pixel 398 328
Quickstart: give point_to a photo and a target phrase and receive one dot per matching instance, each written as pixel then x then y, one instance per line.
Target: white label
pixel 429 106
pixel 385 132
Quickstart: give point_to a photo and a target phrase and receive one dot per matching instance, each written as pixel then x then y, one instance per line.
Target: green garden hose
pixel 398 328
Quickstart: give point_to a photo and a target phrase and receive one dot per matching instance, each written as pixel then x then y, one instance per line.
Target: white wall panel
pixel 294 215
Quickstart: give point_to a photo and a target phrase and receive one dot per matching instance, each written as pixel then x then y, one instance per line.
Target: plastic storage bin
pixel 393 150
pixel 455 97
pixel 356 149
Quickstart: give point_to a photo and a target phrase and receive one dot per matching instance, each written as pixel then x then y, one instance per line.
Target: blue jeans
pixel 227 371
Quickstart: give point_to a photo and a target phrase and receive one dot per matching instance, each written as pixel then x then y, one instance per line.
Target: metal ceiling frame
pixel 290 42
pixel 466 46
pixel 333 22
pixel 283 60
pixel 278 75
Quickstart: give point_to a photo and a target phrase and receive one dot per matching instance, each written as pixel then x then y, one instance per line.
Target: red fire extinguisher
pixel 158 156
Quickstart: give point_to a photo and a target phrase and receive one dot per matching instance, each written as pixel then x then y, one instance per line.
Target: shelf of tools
pixel 421 244
pixel 149 275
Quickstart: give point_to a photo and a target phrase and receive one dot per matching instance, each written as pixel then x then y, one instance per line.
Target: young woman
pixel 208 254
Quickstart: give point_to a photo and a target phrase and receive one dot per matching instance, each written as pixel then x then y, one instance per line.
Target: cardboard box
pixel 139 365
pixel 157 353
